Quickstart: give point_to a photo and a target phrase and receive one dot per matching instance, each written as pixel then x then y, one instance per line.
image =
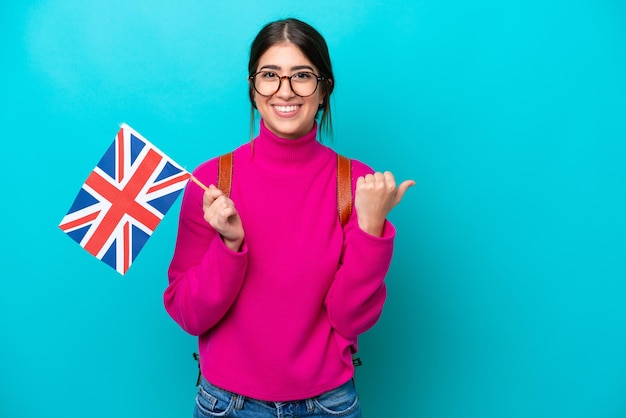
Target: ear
pixel 328 88
pixel 330 84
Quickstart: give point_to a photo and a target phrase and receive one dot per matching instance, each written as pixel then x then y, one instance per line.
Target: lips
pixel 286 109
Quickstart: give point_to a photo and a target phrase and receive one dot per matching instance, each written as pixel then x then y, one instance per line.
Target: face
pixel 285 114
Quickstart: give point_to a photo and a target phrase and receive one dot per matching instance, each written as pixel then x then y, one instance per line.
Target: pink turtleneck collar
pixel 272 151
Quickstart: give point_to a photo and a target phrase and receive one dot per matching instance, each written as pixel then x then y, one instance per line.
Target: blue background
pixel 507 292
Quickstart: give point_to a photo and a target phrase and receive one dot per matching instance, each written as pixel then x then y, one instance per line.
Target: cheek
pixel 316 101
pixel 320 96
pixel 260 103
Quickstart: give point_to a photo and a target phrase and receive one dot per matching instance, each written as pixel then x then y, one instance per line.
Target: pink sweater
pixel 279 320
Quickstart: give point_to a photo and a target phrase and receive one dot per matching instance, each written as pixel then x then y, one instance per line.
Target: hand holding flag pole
pixel 124 198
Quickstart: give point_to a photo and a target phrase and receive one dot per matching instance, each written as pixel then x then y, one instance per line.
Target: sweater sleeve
pixel 356 297
pixel 205 276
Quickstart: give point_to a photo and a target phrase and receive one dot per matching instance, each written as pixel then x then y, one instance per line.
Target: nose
pixel 285 90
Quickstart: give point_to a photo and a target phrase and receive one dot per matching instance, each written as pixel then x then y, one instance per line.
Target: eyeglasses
pixel 267 83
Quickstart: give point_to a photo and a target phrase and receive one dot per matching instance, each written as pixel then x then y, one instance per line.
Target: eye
pixel 303 76
pixel 268 75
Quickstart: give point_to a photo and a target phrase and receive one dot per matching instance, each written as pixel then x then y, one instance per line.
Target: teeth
pixel 286 109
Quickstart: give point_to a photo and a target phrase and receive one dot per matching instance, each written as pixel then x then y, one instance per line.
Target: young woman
pixel 276 289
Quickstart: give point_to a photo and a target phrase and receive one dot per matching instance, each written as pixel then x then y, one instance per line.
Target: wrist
pixel 374 228
pixel 233 244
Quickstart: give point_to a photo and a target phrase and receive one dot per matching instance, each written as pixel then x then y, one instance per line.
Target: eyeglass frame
pixel 288 77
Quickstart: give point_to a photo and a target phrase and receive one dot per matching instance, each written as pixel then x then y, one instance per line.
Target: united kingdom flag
pixel 124 199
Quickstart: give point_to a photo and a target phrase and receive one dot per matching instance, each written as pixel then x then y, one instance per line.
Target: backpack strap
pixel 344 188
pixel 344 183
pixel 225 173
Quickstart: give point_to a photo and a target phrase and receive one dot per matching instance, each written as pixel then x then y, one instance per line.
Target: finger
pixel 211 195
pixel 404 186
pixel 390 180
pixel 228 211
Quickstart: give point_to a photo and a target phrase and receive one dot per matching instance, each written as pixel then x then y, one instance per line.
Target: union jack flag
pixel 124 199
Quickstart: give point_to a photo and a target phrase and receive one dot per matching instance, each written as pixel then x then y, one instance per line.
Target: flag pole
pixel 199 183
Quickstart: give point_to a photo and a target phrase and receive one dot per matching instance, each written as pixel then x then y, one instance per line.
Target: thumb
pixel 402 188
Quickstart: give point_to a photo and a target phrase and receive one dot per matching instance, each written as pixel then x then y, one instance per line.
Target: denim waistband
pixel 240 400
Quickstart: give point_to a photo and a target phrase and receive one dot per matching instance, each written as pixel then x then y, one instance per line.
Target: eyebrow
pixel 296 68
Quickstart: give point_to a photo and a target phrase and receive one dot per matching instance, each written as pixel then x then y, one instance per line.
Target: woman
pixel 274 287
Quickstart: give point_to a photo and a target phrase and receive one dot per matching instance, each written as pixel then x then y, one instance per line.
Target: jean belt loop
pixel 239 401
pixel 310 406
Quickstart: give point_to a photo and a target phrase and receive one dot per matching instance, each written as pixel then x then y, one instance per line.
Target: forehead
pixel 284 56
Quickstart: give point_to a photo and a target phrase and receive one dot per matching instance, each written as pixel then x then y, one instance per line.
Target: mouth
pixel 286 110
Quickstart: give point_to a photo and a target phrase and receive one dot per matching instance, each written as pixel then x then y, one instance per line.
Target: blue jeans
pixel 212 401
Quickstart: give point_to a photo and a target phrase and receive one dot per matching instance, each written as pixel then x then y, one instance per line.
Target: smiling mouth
pixel 286 109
